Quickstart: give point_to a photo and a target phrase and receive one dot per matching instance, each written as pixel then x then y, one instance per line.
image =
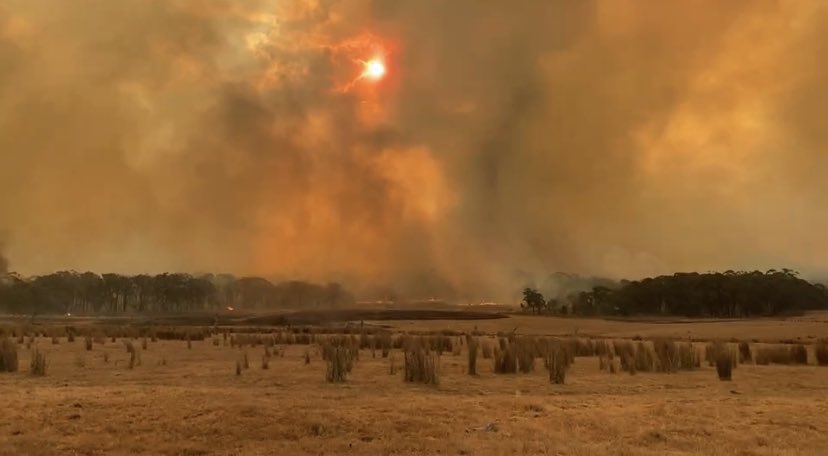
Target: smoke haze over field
pixel 617 138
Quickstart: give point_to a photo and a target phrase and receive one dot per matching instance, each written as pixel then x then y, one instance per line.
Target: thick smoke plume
pixel 510 139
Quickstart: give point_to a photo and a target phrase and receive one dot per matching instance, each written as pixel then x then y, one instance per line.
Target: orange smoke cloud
pixel 503 142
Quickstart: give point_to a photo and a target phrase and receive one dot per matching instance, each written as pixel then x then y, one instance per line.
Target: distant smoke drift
pixel 507 139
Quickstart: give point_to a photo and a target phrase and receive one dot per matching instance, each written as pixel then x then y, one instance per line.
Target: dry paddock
pixel 182 401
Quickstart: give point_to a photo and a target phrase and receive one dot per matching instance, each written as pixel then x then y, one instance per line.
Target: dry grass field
pixel 176 400
pixel 805 328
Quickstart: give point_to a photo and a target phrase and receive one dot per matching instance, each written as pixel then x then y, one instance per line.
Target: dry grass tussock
pixel 472 347
pixel 672 356
pixel 339 355
pixel 8 355
pixel 821 352
pixel 421 366
pixel 38 363
pixel 557 362
pixel 781 354
pixel 723 357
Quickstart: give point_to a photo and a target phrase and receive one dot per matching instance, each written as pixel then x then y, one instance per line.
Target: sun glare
pixel 373 69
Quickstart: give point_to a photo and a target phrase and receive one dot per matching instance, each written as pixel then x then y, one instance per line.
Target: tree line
pixel 90 293
pixel 729 294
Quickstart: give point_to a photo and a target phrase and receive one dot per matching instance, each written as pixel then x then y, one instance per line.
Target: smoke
pixel 510 139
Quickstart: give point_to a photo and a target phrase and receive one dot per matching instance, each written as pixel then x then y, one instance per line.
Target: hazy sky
pixel 611 137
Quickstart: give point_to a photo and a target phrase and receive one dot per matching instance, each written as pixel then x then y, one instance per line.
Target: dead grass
pixel 337 364
pixel 557 362
pixel 166 409
pixel 745 355
pixel 8 355
pixel 506 357
pixel 724 365
pixel 821 352
pixel 421 366
pixel 37 366
pixel 774 354
pixel 472 349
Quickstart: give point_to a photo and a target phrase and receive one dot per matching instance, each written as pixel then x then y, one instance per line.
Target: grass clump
pixel 421 366
pixel 337 364
pixel 557 362
pixel 672 356
pixel 745 356
pixel 821 352
pixel 38 364
pixel 134 354
pixel 666 353
pixel 505 358
pixel 779 354
pixel 486 350
pixel 799 354
pixel 644 357
pixel 8 355
pixel 724 366
pixel 472 348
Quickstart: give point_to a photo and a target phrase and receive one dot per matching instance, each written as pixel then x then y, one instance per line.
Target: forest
pixel 89 293
pixel 729 294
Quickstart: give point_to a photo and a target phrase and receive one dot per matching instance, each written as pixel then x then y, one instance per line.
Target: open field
pixel 191 401
pixel 802 328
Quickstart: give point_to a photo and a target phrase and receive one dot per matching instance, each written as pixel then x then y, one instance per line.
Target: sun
pixel 373 69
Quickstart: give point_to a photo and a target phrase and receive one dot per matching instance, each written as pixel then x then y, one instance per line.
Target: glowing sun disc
pixel 373 69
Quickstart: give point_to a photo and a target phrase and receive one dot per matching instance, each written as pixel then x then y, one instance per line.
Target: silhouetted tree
pixel 533 300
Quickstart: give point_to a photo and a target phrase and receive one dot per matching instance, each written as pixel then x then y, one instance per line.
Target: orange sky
pixel 507 139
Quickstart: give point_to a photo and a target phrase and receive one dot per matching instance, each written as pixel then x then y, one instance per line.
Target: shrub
pixel 8 355
pixel 821 352
pixel 421 366
pixel 38 364
pixel 472 347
